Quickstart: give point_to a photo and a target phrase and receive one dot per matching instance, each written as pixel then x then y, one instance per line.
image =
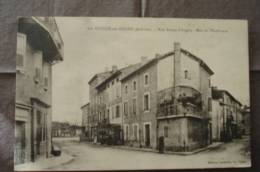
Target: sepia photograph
pixel 115 93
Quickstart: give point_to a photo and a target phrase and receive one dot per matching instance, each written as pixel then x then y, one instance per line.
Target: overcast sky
pixel 222 44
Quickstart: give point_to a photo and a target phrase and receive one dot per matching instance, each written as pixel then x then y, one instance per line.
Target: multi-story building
pixel 94 107
pixel 108 101
pixel 226 116
pixel 39 47
pixel 246 120
pixel 85 118
pixel 168 96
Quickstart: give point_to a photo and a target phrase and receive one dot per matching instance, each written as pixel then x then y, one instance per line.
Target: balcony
pixel 43 34
pixel 187 103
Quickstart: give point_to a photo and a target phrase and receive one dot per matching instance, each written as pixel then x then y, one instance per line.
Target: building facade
pixel 85 118
pixel 246 120
pixel 173 96
pixel 167 97
pixel 227 116
pixel 64 129
pixel 39 46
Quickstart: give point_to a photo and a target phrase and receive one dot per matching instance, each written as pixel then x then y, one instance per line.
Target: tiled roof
pixel 123 71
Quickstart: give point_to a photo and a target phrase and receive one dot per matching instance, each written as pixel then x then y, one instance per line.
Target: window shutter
pixel 37 74
pixel 19 61
pixel 21 51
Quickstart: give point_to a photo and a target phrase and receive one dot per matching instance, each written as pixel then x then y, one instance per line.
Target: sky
pixel 93 44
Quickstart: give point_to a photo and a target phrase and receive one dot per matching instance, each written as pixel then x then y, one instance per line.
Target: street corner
pixel 45 164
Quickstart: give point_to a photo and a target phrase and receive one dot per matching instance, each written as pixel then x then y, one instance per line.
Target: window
pixel 126 89
pixel 108 114
pixel 134 85
pixel 135 131
pixel 45 83
pixel 209 104
pixel 113 112
pixel 127 131
pixel 186 73
pixel 19 61
pixel 21 51
pixel 165 131
pixel 146 79
pixel 134 106
pixel 126 108
pixel 146 102
pixel 118 91
pixel 38 66
pixel 37 75
pixel 117 111
pixel 209 82
pixel 45 75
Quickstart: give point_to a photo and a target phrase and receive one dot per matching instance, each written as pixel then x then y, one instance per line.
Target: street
pixel 96 157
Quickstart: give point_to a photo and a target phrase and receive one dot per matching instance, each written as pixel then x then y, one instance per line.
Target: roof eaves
pixel 139 68
pixel 201 62
pixel 232 97
pixel 118 72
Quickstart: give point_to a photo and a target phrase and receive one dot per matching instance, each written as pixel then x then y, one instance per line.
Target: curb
pixel 44 164
pixel 156 151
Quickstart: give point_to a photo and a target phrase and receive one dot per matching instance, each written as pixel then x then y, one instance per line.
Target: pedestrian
pixel 161 144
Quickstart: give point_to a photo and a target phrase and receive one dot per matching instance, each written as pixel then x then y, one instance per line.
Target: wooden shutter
pixel 21 51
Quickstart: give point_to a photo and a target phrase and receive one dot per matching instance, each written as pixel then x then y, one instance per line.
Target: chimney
pixel 144 59
pixel 177 63
pixel 157 56
pixel 106 69
pixel 177 46
pixel 114 68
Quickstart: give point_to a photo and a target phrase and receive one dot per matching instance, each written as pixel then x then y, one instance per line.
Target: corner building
pixel 168 96
pixel 39 47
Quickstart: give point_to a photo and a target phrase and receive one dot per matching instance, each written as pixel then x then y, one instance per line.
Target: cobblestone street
pixel 96 157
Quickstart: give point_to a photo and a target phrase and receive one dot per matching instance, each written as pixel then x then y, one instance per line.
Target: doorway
pixel 147 135
pixel 19 150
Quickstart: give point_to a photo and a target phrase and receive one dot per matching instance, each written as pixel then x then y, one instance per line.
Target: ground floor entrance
pixel 40 129
pixel 20 143
pixel 147 135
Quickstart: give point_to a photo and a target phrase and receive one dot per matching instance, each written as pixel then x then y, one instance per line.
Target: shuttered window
pixel 21 51
pixel 38 66
pixel 126 108
pixel 37 75
pixel 117 111
pixel 135 131
pixel 146 102
pixel 134 106
pixel 165 131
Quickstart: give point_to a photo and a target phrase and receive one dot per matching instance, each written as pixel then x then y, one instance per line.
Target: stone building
pixel 227 116
pixel 64 129
pixel 246 120
pixel 39 47
pixel 106 103
pixel 85 118
pixel 168 96
pixel 94 104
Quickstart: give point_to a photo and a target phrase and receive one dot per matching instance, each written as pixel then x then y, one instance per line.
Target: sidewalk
pixel 44 164
pixel 209 147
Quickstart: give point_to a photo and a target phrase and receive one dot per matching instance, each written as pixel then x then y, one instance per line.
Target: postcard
pixel 107 93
